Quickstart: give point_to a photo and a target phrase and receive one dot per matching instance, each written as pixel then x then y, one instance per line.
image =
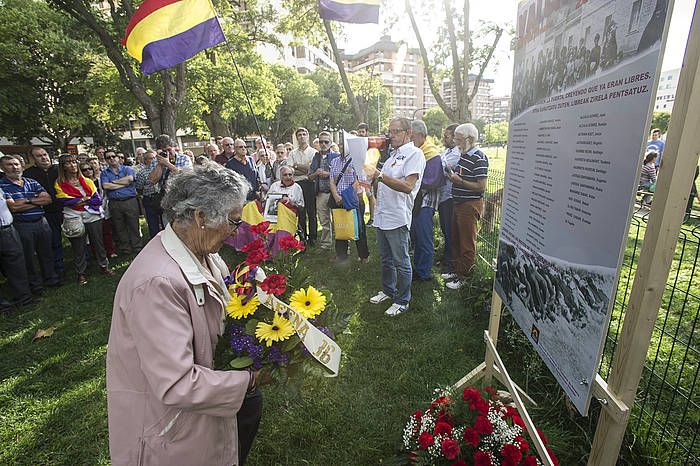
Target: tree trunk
pixel 357 113
pixel 217 125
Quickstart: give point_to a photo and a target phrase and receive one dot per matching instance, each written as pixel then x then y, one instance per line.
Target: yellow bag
pixel 345 224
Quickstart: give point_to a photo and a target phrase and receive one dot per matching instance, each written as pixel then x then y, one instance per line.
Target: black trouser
pixel 12 264
pixel 36 238
pixel 248 418
pixel 55 220
pixel 125 225
pixel 341 245
pixel 308 213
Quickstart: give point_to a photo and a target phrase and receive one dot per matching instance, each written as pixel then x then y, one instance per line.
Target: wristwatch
pixel 379 177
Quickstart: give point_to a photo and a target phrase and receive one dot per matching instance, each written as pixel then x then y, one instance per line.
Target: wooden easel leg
pixel 494 324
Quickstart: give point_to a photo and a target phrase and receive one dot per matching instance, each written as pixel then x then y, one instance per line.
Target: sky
pixel 359 36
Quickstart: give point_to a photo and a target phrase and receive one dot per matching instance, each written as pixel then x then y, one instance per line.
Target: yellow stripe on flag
pixel 168 21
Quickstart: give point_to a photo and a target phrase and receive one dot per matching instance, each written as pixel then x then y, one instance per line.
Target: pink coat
pixel 166 405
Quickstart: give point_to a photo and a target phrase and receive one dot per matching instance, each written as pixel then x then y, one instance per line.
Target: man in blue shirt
pixel 118 182
pixel 25 198
pixel 656 144
pixel 237 160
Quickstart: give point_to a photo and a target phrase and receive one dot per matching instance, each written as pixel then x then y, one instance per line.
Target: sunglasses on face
pixel 324 142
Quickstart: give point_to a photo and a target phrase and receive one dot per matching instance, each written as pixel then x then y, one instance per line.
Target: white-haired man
pixel 468 186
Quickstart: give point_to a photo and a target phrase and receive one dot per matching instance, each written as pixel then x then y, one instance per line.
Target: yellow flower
pixel 236 309
pixel 309 302
pixel 280 330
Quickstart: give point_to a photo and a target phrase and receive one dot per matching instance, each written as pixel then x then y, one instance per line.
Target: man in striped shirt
pixel 468 186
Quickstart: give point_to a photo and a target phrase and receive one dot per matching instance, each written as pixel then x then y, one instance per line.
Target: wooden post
pixel 680 158
pixel 494 325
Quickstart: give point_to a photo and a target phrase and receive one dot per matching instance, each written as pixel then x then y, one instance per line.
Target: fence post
pixel 679 162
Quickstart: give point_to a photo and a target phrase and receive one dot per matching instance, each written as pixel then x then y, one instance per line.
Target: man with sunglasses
pixel 118 183
pixel 236 153
pixel 319 174
pixel 300 160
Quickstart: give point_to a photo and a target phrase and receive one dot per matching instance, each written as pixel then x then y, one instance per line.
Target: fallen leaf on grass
pixel 43 333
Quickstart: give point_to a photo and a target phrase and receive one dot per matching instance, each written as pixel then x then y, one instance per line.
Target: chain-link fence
pixel 666 414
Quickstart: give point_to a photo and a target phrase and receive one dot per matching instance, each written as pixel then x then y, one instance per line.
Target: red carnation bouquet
pixel 469 428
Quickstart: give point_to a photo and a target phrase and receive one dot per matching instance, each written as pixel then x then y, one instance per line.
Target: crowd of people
pixel 96 201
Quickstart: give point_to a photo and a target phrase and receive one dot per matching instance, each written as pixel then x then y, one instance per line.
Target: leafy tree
pixel 495 133
pixel 300 101
pixel 436 121
pixel 455 56
pixel 660 120
pixel 39 94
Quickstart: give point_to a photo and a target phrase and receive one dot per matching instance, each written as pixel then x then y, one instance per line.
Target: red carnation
pixel 425 440
pixel 439 401
pixel 554 458
pixel 529 461
pixel 471 437
pixel 483 425
pixel 471 395
pixel 542 437
pixel 274 284
pixel 418 414
pixel 450 448
pixel 444 416
pixel 442 428
pixel 254 245
pixel 510 412
pixel 256 257
pixel 511 455
pixel 481 406
pixel 491 391
pixel 482 459
pixel 290 243
pixel 261 228
pixel 522 444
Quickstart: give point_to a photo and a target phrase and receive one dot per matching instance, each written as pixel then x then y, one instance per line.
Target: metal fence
pixel 666 414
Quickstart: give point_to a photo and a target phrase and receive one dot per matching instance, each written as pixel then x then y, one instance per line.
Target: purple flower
pixel 278 357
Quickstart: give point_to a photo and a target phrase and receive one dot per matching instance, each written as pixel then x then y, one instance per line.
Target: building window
pixel 634 17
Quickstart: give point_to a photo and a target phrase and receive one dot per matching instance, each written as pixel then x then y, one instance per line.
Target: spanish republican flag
pixel 164 33
pixel 350 11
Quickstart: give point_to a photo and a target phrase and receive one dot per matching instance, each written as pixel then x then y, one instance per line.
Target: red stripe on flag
pixel 146 8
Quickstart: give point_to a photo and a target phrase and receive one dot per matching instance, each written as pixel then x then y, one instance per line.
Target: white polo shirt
pixel 393 207
pixel 5 214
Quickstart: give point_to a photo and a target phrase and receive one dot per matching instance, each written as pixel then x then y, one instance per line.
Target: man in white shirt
pixel 300 160
pixel 398 183
pixel 12 260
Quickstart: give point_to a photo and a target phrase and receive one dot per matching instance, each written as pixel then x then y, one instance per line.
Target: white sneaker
pixel 396 309
pixel 379 298
pixel 448 276
pixel 455 285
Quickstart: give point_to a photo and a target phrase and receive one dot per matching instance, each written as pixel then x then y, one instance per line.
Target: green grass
pixel 52 391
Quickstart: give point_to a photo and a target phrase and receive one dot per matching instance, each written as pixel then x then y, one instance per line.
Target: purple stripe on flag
pixel 357 13
pixel 166 53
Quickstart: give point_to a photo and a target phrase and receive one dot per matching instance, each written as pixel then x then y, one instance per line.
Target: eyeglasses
pixel 240 147
pixel 86 168
pixel 234 223
pixel 228 144
pixel 111 157
pixel 324 142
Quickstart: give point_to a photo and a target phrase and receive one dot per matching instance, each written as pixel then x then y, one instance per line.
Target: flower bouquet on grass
pixel 278 322
pixel 468 428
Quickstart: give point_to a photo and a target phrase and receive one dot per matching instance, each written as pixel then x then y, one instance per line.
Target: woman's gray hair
pixel 212 189
pixel 468 130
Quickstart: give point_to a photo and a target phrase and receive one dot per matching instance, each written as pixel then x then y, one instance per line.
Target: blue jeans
pixel 424 249
pixel 396 264
pixel 445 212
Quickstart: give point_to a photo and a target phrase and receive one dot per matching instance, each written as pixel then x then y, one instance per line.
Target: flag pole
pixel 240 78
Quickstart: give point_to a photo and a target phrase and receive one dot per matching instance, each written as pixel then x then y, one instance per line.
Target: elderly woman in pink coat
pixel 166 404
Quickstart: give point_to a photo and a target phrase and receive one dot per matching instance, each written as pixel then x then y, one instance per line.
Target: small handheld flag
pixel 164 33
pixel 350 11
